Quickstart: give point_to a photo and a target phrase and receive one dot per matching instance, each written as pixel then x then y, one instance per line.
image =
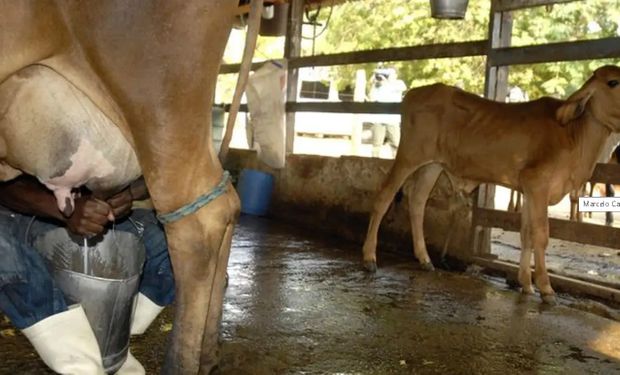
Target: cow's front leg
pixel 540 239
pixel 199 249
pixel 538 222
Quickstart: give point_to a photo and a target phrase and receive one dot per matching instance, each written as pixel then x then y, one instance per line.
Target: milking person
pixel 386 88
pixel 29 297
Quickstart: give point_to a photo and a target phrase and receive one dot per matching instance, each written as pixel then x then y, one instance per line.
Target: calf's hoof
pixel 370 266
pixel 427 266
pixel 527 290
pixel 549 299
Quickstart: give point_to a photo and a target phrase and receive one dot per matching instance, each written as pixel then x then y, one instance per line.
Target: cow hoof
pixel 527 290
pixel 370 266
pixel 549 299
pixel 427 266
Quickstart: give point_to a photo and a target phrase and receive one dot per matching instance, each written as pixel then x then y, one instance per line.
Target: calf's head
pixel 600 96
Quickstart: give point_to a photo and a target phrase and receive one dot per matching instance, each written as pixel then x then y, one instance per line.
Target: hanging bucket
pixel 449 9
pixel 105 282
pixel 255 188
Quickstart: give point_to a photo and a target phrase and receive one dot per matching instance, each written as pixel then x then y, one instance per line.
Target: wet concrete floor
pixel 298 303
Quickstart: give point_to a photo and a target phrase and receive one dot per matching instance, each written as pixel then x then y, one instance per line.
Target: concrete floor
pixel 298 303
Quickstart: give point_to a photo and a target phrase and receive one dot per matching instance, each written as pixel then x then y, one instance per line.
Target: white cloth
pixel 266 94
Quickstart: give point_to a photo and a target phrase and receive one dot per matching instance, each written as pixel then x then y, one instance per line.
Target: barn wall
pixel 335 195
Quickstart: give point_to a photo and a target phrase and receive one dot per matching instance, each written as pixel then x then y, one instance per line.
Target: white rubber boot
pixel 66 343
pixel 144 314
pixel 131 366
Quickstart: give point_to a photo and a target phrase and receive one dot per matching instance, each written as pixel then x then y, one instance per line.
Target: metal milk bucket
pixel 104 280
pixel 448 9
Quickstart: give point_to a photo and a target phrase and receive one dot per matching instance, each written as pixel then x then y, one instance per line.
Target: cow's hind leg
pixel 514 204
pixel 201 244
pixel 518 205
pixel 210 345
pixel 419 188
pixel 395 179
pixel 511 201
pixel 574 195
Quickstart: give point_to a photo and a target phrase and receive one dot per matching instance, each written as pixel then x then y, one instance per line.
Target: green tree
pixel 568 22
pixel 375 24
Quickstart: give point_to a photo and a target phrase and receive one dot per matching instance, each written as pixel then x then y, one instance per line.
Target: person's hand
pixel 120 203
pixel 89 217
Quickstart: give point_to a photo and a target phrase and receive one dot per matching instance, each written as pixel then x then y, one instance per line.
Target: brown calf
pixel 543 148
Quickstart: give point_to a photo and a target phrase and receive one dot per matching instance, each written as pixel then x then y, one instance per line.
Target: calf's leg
pixel 518 204
pixel 525 271
pixel 511 201
pixel 419 189
pixel 575 215
pixel 538 233
pixel 514 204
pixel 395 179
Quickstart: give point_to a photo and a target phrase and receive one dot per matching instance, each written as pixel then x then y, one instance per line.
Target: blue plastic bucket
pixel 255 188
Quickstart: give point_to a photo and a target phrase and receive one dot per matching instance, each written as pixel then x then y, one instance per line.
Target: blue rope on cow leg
pixel 200 202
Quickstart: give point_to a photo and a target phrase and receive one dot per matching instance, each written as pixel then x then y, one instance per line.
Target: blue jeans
pixel 28 293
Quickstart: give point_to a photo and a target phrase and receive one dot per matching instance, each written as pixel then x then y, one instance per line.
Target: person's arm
pixel 28 196
pixel 122 202
pixel 138 190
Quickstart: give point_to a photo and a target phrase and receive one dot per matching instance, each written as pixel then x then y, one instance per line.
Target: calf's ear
pixel 574 106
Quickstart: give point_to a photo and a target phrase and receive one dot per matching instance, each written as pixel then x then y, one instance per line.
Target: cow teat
pixel 64 199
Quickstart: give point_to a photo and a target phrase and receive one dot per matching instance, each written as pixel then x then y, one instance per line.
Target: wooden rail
pixel 507 5
pixel 336 107
pixel 430 51
pixel 344 107
pixel 561 283
pixel 565 51
pixel 585 233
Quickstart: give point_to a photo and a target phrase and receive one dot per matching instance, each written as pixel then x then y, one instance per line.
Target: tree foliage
pixel 376 24
pixel 569 22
